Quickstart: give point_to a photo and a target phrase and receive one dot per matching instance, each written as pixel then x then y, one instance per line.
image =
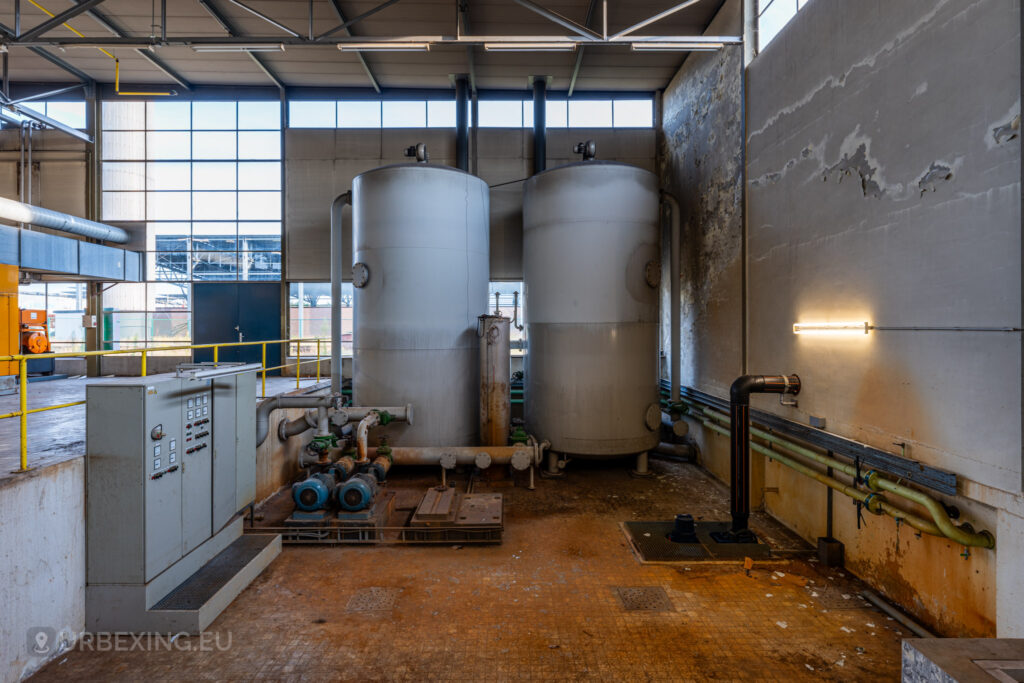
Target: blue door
pixel 237 311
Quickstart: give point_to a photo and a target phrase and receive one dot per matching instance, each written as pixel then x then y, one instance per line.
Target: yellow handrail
pixel 22 359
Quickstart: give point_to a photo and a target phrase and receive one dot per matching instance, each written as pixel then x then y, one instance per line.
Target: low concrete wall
pixel 42 563
pixel 131 366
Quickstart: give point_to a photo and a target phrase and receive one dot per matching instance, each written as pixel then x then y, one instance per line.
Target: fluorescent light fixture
pixel 675 46
pixel 384 47
pixel 531 47
pixel 831 328
pixel 230 47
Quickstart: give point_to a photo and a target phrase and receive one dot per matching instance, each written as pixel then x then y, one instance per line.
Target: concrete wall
pixel 322 162
pixel 42 561
pixel 884 186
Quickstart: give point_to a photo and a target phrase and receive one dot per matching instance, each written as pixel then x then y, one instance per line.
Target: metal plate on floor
pixel 650 542
pixel 479 509
pixel 644 599
pixel 373 599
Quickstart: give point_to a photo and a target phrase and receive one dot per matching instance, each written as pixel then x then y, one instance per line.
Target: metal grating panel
pixel 373 599
pixel 644 599
pixel 197 589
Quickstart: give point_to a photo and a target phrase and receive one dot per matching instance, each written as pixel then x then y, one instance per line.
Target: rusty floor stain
pixel 544 605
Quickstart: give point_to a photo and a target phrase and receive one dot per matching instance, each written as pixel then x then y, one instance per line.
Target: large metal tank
pixel 420 270
pixel 591 276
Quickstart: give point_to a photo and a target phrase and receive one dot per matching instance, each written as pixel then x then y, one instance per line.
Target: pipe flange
pixel 448 460
pixel 408 414
pixel 360 274
pixel 340 418
pixel 652 417
pixel 482 460
pixel 652 273
pixel 280 429
pixel 521 459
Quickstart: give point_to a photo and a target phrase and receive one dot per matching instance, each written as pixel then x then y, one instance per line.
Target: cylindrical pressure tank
pixel 421 272
pixel 591 276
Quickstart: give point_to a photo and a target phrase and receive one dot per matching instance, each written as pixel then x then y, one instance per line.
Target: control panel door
pixel 197 467
pixel 162 476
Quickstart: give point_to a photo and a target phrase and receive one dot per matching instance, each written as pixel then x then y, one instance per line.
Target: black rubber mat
pixel 197 589
pixel 650 541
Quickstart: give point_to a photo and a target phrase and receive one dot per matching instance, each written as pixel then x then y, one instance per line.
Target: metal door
pixel 237 311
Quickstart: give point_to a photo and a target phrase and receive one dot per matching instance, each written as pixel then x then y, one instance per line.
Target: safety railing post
pixel 263 361
pixel 318 360
pixel 142 372
pixel 23 412
pixel 298 362
pixel 216 354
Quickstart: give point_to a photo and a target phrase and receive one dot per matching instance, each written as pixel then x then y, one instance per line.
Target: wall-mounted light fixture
pixel 831 328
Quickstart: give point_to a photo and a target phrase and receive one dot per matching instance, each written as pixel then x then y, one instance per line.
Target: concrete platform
pixel 963 660
pixel 59 435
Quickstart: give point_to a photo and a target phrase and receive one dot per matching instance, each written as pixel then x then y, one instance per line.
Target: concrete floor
pixel 540 606
pixel 59 435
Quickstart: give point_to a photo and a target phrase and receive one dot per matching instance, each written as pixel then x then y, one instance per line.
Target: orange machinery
pixel 9 337
pixel 35 333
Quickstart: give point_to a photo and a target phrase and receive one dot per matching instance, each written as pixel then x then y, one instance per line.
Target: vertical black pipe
pixel 739 412
pixel 540 124
pixel 462 123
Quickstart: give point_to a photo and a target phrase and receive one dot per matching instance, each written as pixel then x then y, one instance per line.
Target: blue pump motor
pixel 313 493
pixel 357 493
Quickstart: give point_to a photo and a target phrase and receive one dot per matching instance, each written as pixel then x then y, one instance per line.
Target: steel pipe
pixel 880 603
pixel 338 265
pixel 520 457
pixel 675 284
pixel 19 212
pixel 265 408
pixel 289 428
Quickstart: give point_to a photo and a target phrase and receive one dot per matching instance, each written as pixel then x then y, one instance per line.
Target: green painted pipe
pixel 873 502
pixel 876 482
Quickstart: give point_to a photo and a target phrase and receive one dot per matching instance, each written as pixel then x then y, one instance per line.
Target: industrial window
pixel 503 300
pixel 309 317
pixel 65 304
pixel 139 314
pixel 772 15
pixel 70 113
pixel 205 177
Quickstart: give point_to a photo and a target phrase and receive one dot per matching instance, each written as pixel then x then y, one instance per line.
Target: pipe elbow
pixel 742 387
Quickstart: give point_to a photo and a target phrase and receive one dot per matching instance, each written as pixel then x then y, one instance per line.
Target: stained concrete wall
pixel 884 186
pixel 321 163
pixel 42 561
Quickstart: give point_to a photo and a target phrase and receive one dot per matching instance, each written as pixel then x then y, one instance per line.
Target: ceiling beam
pixel 336 4
pixel 565 22
pixel 581 48
pixel 226 24
pixel 62 18
pixel 270 20
pixel 381 42
pixel 53 59
pixel 651 20
pixel 354 20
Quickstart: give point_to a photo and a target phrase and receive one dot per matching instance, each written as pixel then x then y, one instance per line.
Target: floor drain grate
pixel 373 599
pixel 644 599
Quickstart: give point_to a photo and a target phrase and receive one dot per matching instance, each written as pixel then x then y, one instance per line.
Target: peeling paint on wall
pixel 937 173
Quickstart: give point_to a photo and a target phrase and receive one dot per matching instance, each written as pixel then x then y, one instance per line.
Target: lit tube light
pixel 831 328
pixel 530 47
pixel 675 46
pixel 229 47
pixel 384 47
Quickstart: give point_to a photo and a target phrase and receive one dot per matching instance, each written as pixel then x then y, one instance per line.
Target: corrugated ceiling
pixel 603 68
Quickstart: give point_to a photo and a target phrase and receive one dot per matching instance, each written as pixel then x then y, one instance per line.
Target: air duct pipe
pixel 674 294
pixel 338 264
pixel 55 220
pixel 265 408
pixel 739 462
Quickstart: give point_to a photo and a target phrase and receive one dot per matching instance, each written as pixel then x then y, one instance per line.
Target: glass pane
pixel 214 236
pixel 66 296
pixel 259 115
pixel 440 114
pixel 501 113
pixel 124 206
pixel 259 175
pixel 168 296
pixel 634 113
pixel 168 116
pixel 167 206
pixel 557 114
pixel 167 236
pixel 170 328
pixel 168 175
pixel 528 114
pixel 506 292
pixel 127 296
pixel 123 327
pixel 124 145
pixel 168 265
pixel 358 114
pixel 773 17
pixel 259 236
pixel 215 265
pixel 124 115
pixel 66 327
pixel 259 206
pixel 213 145
pixel 69 113
pixel 213 175
pixel 124 176
pixel 213 116
pixel 590 113
pixel 32 296
pixel 260 265
pixel 214 206
pixel 311 114
pixel 404 114
pixel 167 145
pixel 259 145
